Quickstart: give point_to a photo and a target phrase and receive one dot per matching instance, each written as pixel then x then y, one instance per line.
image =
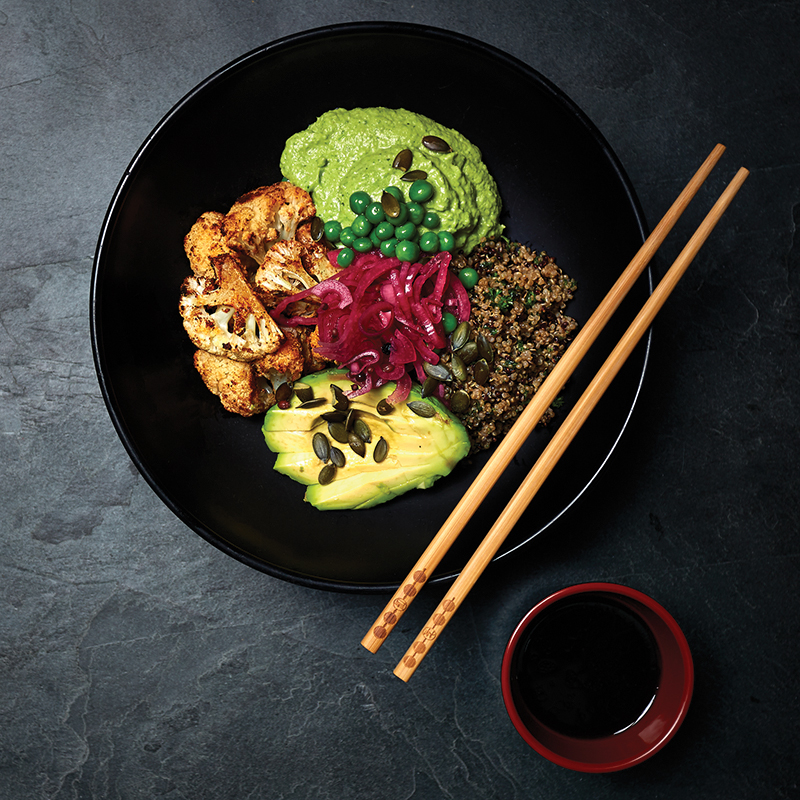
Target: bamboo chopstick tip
pixel 374 639
pixel 403 672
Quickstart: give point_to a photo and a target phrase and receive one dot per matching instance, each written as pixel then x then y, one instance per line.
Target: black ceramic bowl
pixel 563 189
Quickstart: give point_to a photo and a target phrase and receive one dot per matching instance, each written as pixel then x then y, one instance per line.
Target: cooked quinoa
pixel 518 304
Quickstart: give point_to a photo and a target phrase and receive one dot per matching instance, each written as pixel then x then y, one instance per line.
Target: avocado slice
pixel 420 450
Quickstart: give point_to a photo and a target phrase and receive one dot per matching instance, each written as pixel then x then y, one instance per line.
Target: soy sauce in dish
pixel 588 668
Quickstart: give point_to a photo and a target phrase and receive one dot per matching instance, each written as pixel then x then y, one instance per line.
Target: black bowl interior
pixel 563 189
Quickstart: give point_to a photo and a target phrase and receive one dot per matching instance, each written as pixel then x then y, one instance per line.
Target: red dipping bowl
pixel 657 725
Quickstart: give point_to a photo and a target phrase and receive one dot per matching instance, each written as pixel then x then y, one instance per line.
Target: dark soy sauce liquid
pixel 588 668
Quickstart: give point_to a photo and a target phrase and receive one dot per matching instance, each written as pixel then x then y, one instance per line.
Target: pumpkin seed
pixel 460 336
pixel 321 446
pixel 402 160
pixel 390 205
pixel 283 393
pixel 326 474
pixel 337 457
pixel 340 399
pixel 421 408
pixel 430 387
pixel 303 391
pixel 317 229
pixel 414 175
pixel 480 372
pixel 436 144
pixel 334 416
pixel 338 431
pixel 458 368
pixel 361 429
pixel 436 371
pixel 357 444
pixel 484 348
pixel 384 407
pixel 380 450
pixel 459 401
pixel 312 403
pixel 468 353
pixel 348 420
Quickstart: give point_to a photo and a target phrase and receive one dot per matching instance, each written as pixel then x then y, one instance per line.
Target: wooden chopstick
pixel 541 401
pixel 562 438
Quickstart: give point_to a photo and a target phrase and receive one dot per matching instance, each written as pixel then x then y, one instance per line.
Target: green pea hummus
pixel 352 150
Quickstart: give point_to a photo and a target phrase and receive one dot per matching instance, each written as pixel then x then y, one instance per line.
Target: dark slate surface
pixel 138 661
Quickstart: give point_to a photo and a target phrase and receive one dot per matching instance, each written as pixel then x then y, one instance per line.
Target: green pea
pixel 374 213
pixel 407 251
pixel 361 225
pixel 384 230
pixel 420 190
pixel 429 242
pixel 346 236
pixel 431 220
pixel 373 237
pixel 407 231
pixel 468 276
pixel 393 190
pixel 446 241
pixel 388 246
pixel 345 257
pixel 363 244
pixel 359 201
pixel 332 230
pixel 416 213
pixel 401 218
pixel 449 321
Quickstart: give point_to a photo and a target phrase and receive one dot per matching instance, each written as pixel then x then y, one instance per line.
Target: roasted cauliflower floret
pixel 315 256
pixel 223 316
pixel 282 269
pixel 308 336
pixel 204 241
pixel 316 261
pixel 260 218
pixel 285 364
pixel 237 383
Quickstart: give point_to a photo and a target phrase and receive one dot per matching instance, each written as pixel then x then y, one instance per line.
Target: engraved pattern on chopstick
pixel 429 633
pixel 398 605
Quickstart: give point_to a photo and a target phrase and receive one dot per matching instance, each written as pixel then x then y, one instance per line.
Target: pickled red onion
pixel 382 318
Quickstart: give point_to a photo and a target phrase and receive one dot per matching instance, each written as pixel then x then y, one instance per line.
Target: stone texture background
pixel 136 661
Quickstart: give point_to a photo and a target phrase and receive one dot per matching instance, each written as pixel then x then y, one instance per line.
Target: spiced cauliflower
pixel 204 241
pixel 223 316
pixel 258 219
pixel 237 383
pixel 282 270
pixel 243 263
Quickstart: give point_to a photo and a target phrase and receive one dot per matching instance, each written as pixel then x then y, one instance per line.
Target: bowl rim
pixel 648 749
